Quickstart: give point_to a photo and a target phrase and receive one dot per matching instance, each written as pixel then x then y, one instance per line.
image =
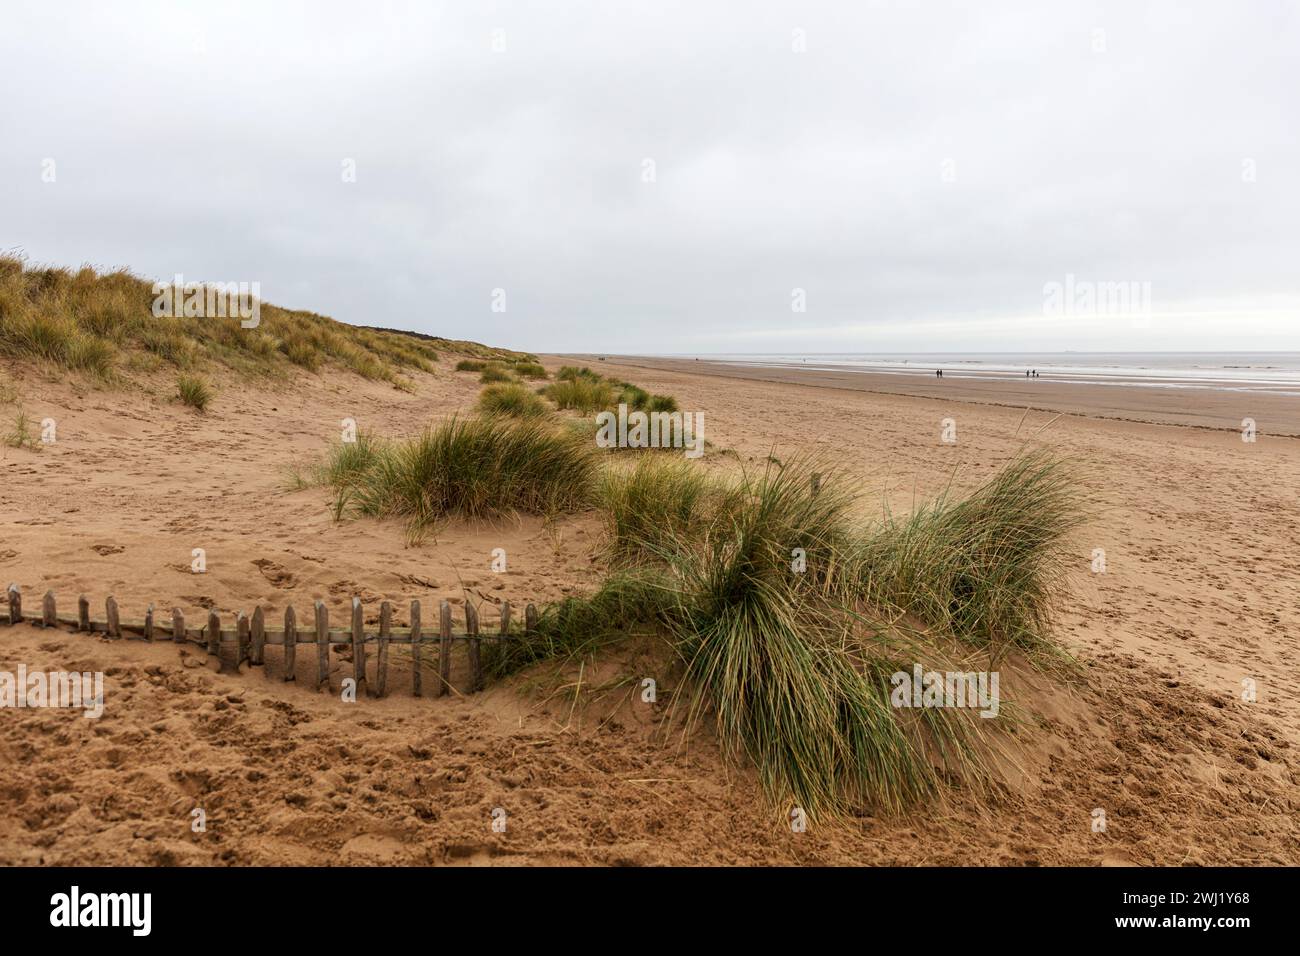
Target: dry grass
pixel 102 324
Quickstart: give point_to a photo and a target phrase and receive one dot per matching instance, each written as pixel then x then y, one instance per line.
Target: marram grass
pixel 792 667
pixel 513 400
pixel 471 467
pixel 100 324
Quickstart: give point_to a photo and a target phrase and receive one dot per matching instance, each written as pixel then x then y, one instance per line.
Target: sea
pixel 1272 372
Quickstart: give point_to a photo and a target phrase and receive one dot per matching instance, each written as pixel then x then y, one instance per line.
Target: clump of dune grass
pixel 791 660
pixel 658 502
pixel 572 373
pixel 495 373
pixel 348 463
pixel 477 468
pixel 581 394
pixel 21 434
pixel 774 655
pixel 470 365
pixel 513 400
pixel 194 392
pixel 586 391
pixel 529 370
pixel 987 569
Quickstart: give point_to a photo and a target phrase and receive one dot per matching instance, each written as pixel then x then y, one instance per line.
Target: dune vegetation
pixel 791 662
pixel 102 325
pixel 468 467
pixel 194 392
pixel 787 609
pixel 585 391
pixel 512 399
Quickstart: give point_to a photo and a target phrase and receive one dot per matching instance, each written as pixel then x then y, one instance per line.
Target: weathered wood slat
pixel 322 645
pixel 242 639
pixel 358 645
pixel 257 647
pixel 503 633
pixel 15 604
pixel 530 619
pixel 178 626
pixel 290 642
pixel 416 677
pixel 444 648
pixel 49 616
pixel 113 626
pixel 213 633
pixel 148 623
pixel 381 662
pixel 475 655
pixel 83 613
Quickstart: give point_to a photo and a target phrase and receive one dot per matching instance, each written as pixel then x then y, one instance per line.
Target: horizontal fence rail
pixel 247 640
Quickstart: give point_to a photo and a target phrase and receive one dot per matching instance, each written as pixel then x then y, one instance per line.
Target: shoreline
pixel 1276 416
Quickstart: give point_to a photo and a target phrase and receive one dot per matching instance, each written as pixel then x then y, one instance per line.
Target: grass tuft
pixel 194 392
pixel 512 400
pixel 988 569
pixel 475 468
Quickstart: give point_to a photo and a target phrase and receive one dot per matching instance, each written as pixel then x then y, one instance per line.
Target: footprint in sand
pixel 276 574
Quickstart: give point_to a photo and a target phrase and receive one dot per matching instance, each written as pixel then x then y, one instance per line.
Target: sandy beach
pixel 1122 398
pixel 1201 591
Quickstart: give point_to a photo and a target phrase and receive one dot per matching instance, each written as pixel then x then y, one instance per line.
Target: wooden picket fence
pixel 248 639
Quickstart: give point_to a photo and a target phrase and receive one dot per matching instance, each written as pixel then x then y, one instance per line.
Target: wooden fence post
pixel 114 626
pixel 505 621
pixel 214 633
pixel 83 613
pixel 444 648
pixel 241 638
pixel 48 616
pixel 290 643
pixel 415 649
pixel 530 619
pixel 381 664
pixel 257 650
pixel 178 627
pixel 358 645
pixel 148 623
pixel 322 645
pixel 15 604
pixel 475 657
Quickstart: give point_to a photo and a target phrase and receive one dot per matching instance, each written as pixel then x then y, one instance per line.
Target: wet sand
pixel 1274 414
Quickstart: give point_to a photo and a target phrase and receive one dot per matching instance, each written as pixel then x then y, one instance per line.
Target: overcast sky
pixel 923 172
